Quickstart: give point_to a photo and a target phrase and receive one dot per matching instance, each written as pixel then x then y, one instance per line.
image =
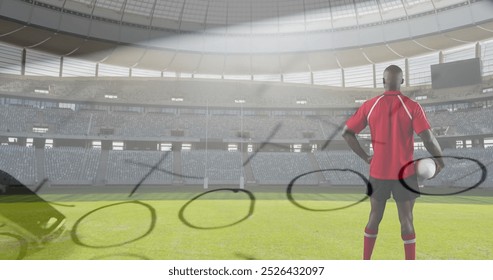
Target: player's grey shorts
pixel 383 188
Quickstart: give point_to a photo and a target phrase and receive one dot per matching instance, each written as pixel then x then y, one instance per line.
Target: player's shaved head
pixel 392 78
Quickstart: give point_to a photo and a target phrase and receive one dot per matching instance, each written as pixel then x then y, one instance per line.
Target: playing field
pixel 218 225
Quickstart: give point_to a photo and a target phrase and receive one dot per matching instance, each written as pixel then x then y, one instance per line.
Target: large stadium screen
pixel 456 73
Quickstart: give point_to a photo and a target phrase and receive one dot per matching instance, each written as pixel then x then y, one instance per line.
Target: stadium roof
pixel 261 16
pixel 244 36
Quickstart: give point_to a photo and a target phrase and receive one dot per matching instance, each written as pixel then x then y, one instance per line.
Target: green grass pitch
pixel 457 227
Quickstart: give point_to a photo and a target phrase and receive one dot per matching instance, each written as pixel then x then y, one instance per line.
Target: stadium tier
pixel 270 168
pixel 460 171
pixel 133 167
pixel 341 160
pixel 26 117
pixel 139 114
pixel 67 122
pixel 231 115
pixel 20 162
pixel 257 94
pixel 71 165
pixel 222 167
pixel 66 166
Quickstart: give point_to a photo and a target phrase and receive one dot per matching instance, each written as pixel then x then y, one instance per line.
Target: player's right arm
pixel 356 123
pixel 354 144
pixel 433 147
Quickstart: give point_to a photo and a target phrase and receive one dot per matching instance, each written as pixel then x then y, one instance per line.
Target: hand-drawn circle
pixel 75 236
pixel 484 173
pixel 289 190
pixel 22 244
pixel 130 256
pixel 181 213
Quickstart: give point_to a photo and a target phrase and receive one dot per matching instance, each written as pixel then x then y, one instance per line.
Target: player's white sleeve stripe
pixel 370 235
pixel 371 110
pixel 405 107
pixel 411 241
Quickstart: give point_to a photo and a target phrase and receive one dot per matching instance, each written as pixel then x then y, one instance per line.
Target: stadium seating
pixel 80 166
pixel 63 165
pixel 17 118
pixel 19 162
pixel 71 165
pixel 342 160
pixel 130 167
pixel 464 122
pixel 463 172
pixel 161 90
pixel 223 167
pixel 134 124
pixel 279 168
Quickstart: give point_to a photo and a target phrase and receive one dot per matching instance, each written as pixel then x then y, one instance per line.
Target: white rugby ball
pixel 426 168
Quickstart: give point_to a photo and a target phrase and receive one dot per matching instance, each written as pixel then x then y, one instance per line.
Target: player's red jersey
pixel 392 118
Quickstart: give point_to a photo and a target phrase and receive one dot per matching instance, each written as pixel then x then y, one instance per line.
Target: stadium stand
pixel 342 160
pixel 223 167
pixel 17 118
pixel 132 119
pixel 22 119
pixel 71 165
pixel 129 167
pixel 19 162
pixel 462 172
pixel 271 168
pixel 79 166
pixel 464 122
pixel 160 91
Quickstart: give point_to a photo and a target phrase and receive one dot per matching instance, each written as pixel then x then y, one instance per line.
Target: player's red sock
pixel 369 242
pixel 409 246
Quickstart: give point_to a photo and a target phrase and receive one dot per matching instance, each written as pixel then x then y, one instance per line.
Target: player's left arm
pixel 350 137
pixel 422 128
pixel 433 147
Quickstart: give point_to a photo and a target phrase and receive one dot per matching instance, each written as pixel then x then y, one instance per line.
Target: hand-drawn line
pixel 484 173
pixel 289 189
pixel 339 128
pixel 163 170
pixel 40 185
pixel 181 213
pixel 22 244
pixel 333 135
pixel 244 256
pixel 116 255
pixel 153 168
pixel 474 171
pixel 75 235
pixel 271 135
pixel 38 188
